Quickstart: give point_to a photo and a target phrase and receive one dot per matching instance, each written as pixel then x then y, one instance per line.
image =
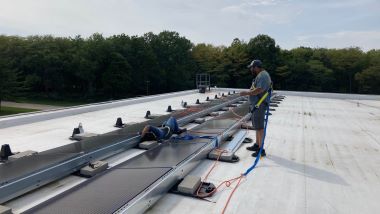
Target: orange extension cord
pixel 227 183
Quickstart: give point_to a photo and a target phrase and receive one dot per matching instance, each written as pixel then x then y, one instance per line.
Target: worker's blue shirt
pixel 262 81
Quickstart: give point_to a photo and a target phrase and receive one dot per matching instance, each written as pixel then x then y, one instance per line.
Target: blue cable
pixel 262 141
pixel 192 137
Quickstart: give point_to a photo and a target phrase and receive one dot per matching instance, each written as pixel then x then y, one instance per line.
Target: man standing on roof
pixel 260 85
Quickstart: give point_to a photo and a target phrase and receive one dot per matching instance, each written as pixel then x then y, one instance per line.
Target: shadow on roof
pixel 309 171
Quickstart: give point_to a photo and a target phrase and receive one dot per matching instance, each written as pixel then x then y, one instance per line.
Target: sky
pixel 292 23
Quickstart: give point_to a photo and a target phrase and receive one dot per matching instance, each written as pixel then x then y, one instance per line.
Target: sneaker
pixel 263 154
pixel 254 148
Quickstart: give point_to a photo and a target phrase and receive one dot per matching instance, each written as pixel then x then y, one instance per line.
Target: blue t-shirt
pixel 262 81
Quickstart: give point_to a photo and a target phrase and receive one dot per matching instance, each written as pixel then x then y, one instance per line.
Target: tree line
pixel 103 68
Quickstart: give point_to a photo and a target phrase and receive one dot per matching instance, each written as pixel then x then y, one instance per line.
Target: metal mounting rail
pixel 21 176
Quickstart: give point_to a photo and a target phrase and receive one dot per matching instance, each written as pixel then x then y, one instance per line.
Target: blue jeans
pixel 170 126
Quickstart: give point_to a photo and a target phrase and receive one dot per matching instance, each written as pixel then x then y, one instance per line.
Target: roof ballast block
pixel 94 168
pixel 148 144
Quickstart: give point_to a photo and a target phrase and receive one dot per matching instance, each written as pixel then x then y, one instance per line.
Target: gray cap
pixel 255 63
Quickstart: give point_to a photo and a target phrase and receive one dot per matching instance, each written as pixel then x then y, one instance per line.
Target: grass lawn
pixel 51 102
pixel 12 110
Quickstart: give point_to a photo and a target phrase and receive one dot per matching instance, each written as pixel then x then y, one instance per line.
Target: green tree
pixel 210 59
pixel 295 74
pixel 235 64
pixel 145 66
pixel 345 63
pixel 9 83
pixel 101 67
pixel 173 54
pixel 373 57
pixel 369 80
pixel 322 76
pixel 116 79
pixel 264 48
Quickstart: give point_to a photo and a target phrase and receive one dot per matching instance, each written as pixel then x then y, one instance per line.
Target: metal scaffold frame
pixel 203 81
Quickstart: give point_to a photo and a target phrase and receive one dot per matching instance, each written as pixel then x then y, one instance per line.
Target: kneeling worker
pixel 169 128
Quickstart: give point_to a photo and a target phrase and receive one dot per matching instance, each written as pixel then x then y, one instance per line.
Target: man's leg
pixel 259 137
pixel 259 119
pixel 255 146
pixel 173 124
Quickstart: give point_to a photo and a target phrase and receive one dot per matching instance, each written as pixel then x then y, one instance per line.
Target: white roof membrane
pixel 323 156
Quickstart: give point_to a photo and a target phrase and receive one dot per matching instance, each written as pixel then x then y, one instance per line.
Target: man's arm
pixel 252 92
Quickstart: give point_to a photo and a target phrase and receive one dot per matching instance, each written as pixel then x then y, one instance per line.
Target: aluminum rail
pixel 71 162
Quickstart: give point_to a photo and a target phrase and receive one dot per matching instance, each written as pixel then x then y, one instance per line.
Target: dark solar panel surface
pixel 105 193
pixel 20 168
pixel 166 155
